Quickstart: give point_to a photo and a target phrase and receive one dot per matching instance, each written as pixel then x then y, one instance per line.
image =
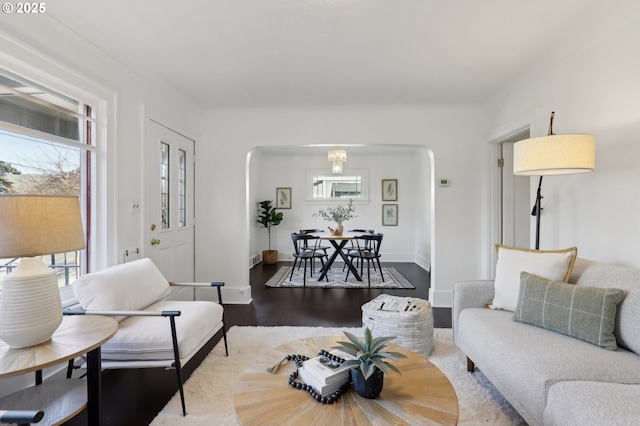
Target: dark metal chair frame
pixel 370 254
pixel 300 241
pixel 177 364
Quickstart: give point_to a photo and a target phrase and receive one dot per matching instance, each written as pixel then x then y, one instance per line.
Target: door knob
pixel 155 241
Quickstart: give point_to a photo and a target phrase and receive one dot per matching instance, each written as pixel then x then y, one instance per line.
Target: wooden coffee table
pixel 421 395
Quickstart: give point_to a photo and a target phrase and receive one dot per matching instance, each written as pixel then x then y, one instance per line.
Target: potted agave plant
pixel 370 365
pixel 268 218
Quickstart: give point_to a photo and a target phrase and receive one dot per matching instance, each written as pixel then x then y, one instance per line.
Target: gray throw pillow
pixel 586 313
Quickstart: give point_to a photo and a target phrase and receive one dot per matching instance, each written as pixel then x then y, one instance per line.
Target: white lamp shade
pixel 554 155
pixel 35 225
pixel 31 226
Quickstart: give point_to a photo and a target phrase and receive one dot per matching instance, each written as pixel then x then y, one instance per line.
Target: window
pixel 46 147
pixel 325 186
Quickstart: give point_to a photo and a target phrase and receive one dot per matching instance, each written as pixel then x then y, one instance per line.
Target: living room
pixel 578 59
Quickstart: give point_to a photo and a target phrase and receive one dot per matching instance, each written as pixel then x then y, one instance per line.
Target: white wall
pixel 48 52
pixel 593 90
pixel 54 50
pixel 452 133
pixel 276 168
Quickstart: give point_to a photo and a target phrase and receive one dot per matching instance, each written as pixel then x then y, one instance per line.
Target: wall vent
pixel 254 260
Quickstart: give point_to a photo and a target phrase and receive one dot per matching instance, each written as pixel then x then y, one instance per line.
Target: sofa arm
pixel 21 416
pixel 469 294
pixel 216 284
pixel 122 313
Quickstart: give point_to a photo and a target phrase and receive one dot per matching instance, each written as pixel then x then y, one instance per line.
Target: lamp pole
pixel 536 212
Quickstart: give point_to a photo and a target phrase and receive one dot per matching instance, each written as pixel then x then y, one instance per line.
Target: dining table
pixel 338 242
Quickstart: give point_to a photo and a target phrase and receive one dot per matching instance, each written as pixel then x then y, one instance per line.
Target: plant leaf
pixel 356 341
pixel 351 363
pixel 380 343
pixel 381 365
pixel 367 370
pixel 394 368
pixel 348 347
pixel 391 355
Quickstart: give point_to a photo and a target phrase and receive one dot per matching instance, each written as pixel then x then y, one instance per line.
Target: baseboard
pixel 230 295
pixel 441 298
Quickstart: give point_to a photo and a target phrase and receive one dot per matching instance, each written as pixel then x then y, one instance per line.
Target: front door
pixel 169 202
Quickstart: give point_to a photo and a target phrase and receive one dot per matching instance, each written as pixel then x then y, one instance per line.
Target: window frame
pixel 312 174
pixel 32 65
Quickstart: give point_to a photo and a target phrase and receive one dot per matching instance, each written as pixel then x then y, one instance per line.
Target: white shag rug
pixel 209 390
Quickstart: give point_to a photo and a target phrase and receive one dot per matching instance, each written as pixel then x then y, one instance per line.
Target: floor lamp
pixel 552 155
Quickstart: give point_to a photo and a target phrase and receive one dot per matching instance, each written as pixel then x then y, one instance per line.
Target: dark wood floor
pixel 134 397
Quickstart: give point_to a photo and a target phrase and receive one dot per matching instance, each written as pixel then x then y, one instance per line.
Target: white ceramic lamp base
pixel 30 306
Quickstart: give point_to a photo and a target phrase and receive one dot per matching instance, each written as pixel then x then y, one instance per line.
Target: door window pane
pixel 182 188
pixel 164 185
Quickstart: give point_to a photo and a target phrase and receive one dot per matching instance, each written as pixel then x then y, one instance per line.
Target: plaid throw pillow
pixel 586 313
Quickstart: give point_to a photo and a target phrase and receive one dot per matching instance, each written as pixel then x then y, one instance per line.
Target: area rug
pixel 209 390
pixel 392 278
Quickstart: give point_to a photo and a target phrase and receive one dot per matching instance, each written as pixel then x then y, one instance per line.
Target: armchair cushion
pixel 127 287
pixel 143 338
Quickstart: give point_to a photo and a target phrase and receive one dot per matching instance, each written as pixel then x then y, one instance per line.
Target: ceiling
pixel 299 53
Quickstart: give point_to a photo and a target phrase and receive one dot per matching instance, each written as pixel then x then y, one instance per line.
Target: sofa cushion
pixel 522 361
pixel 594 274
pixel 126 287
pixel 586 313
pixel 149 338
pixel 579 403
pixel 551 264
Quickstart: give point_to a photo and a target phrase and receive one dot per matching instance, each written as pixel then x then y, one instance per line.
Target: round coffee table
pixel 421 395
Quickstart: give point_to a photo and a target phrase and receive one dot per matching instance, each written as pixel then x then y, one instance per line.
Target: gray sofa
pixel 550 378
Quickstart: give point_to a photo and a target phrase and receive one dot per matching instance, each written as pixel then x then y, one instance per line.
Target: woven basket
pixel 408 318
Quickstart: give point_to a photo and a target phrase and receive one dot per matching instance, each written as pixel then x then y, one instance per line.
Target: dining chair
pixel 318 246
pixel 370 255
pixel 365 245
pixel 300 241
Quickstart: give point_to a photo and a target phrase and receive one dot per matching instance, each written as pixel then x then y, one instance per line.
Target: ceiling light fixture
pixel 337 156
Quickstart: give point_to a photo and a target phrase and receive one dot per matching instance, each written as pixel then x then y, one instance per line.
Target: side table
pixel 61 399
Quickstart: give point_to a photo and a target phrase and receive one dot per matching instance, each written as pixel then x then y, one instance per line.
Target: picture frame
pixel 389 189
pixel 389 215
pixel 283 198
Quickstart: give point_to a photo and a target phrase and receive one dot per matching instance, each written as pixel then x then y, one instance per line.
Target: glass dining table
pixel 338 242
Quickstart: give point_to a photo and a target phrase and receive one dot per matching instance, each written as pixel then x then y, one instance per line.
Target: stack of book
pixel 322 376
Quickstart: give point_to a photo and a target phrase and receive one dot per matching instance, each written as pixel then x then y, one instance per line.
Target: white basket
pixel 408 318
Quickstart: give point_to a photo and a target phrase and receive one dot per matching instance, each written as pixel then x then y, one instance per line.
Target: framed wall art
pixel 389 189
pixel 283 198
pixel 389 215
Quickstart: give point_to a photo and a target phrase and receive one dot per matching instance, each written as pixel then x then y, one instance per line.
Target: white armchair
pixel 136 295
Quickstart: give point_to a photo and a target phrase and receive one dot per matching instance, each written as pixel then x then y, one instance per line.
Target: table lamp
pixel 32 226
pixel 552 155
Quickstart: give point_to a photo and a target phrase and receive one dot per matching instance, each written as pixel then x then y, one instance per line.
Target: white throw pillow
pixel 553 265
pixel 127 287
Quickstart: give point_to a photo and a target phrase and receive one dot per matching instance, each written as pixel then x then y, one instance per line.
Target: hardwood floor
pixel 134 397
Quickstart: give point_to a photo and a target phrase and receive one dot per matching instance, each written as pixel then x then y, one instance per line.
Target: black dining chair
pixel 365 244
pixel 371 255
pixel 300 254
pixel 318 246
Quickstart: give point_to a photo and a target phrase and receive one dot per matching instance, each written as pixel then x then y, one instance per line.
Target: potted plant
pixel 337 214
pixel 370 365
pixel 269 217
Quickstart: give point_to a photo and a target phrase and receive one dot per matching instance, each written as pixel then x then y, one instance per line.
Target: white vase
pixel 30 306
